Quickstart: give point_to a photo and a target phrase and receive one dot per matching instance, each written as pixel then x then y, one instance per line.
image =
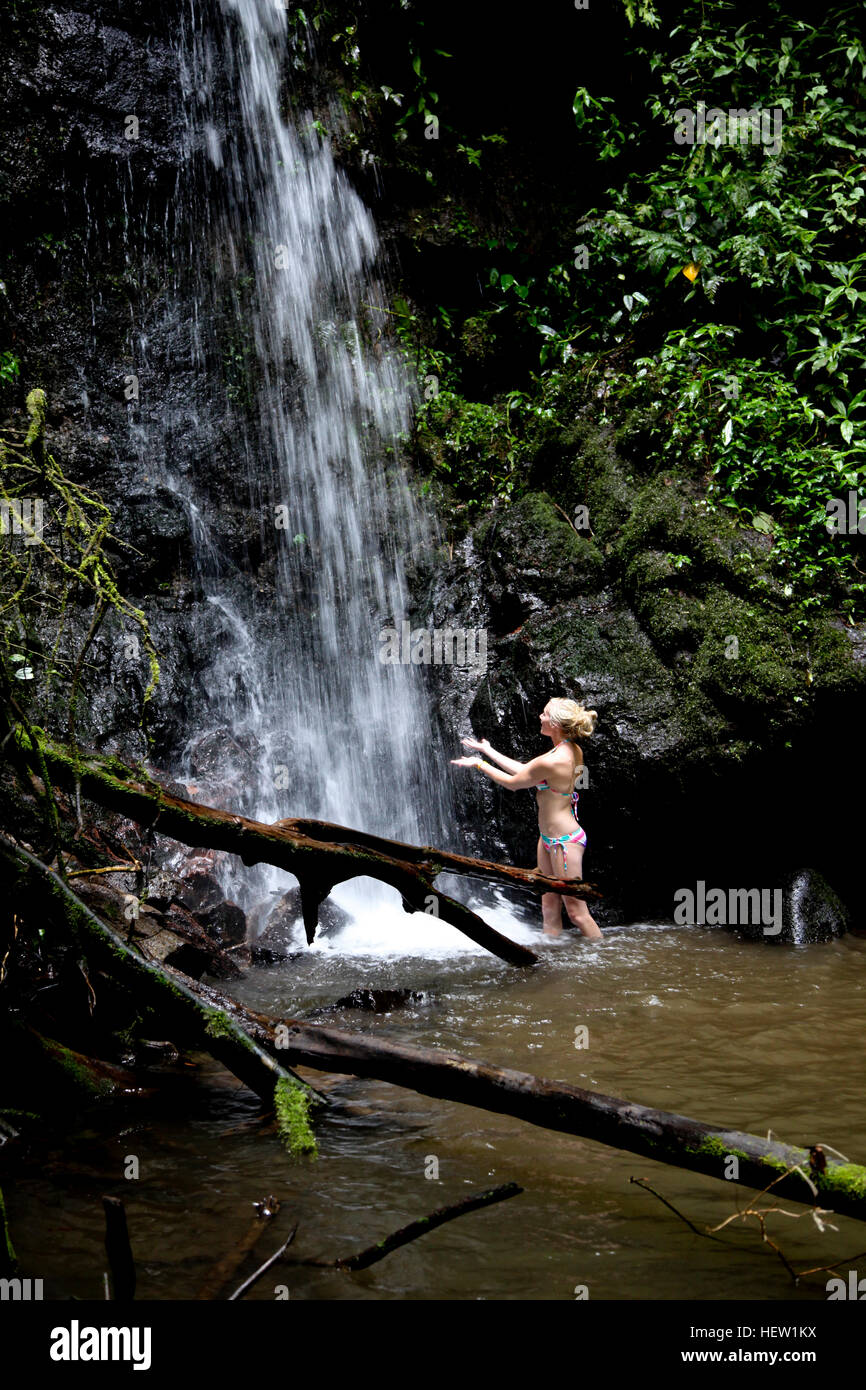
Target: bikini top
pixel 575 796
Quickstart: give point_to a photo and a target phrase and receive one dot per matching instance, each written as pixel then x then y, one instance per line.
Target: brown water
pixel 690 1019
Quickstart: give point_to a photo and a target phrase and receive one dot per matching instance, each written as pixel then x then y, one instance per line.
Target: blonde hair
pixel 573 719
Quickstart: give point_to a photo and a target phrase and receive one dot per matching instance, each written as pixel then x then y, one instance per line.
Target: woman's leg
pixel 578 913
pixel 551 903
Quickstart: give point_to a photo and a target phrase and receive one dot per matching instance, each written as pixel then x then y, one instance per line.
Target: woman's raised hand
pixel 464 762
pixel 483 745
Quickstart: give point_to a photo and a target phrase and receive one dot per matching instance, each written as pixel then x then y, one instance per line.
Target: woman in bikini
pixel 561 839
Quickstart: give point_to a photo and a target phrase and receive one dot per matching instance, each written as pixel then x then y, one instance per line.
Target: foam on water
pixel 385 930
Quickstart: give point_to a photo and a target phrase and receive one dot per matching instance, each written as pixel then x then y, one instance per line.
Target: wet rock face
pixel 697 768
pixel 92 165
pixel 161 926
pixel 194 901
pixel 224 923
pixel 224 767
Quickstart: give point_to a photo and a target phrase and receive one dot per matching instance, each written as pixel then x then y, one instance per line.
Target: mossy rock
pixel 668 515
pixel 748 665
pixel 539 542
pixel 834 663
pixel 581 466
pixel 675 621
pixel 608 660
pixel 478 338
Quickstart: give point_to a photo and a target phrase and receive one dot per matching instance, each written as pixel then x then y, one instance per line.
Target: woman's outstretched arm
pixel 483 746
pixel 525 774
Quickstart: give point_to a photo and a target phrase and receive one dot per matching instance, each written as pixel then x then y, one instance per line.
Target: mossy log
pixel 621 1124
pixel 319 854
pixel 70 1076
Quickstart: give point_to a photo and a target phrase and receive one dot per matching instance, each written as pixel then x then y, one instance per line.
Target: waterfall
pixel 276 305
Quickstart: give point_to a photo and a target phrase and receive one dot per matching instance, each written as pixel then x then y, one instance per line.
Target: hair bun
pixel 575 721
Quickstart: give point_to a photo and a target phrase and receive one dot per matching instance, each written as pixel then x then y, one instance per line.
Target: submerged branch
pixel 263 1269
pixel 374 1253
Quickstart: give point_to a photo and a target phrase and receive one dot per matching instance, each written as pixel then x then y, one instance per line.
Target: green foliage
pixel 779 228
pixel 238 364
pixel 613 142
pixel 422 100
pixel 408 100
pixel 642 10
pixel 702 267
pixel 471 445
pixel 61 558
pixel 55 246
pixel 10 367
pixel 754 254
pixel 474 447
pixel 764 451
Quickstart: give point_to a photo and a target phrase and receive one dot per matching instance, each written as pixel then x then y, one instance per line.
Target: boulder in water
pixel 224 922
pixel 372 1001
pixel 279 939
pixel 198 892
pixel 811 910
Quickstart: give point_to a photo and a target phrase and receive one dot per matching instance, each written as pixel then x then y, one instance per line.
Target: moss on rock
pixel 748 664
pixel 538 540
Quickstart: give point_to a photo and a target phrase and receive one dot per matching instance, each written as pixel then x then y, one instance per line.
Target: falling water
pixel 280 309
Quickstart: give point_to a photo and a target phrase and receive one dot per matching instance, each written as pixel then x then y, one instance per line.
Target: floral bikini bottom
pixel 577 836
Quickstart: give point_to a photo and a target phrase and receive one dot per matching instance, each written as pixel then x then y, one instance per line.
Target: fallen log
pixel 620 1124
pixel 71 1076
pixel 249 1044
pixel 320 855
pixel 326 832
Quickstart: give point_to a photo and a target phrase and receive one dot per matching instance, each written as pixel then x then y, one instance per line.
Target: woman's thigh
pixel 544 862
